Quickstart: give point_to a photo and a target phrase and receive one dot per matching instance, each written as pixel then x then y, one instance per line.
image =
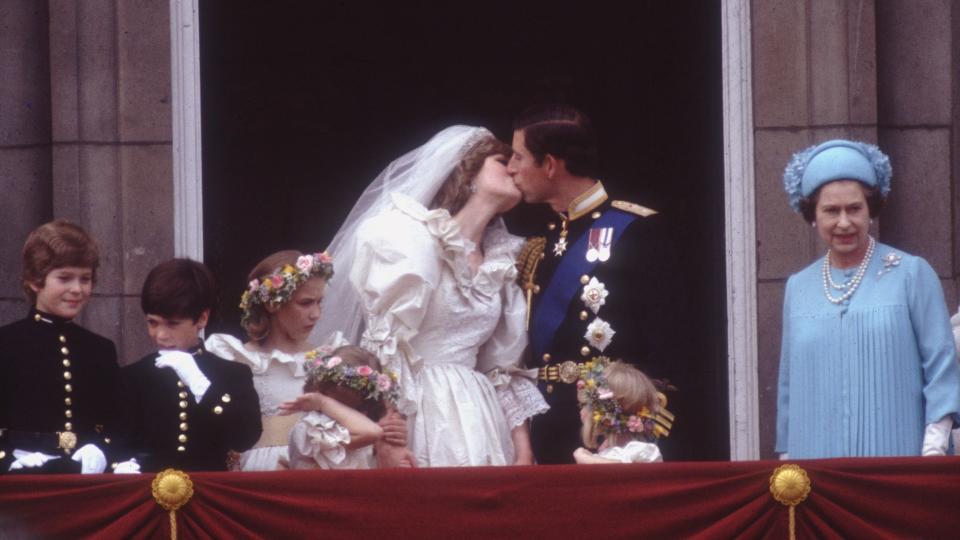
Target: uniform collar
pixel 46 318
pixel 587 201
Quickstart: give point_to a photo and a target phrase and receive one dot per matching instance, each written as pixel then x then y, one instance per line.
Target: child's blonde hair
pixel 633 391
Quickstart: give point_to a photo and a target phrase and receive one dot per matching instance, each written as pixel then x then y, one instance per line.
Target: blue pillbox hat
pixel 837 159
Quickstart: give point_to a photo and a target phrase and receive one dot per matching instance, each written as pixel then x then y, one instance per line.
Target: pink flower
pixel 364 371
pixel 635 424
pixel 580 384
pixel 333 362
pixel 277 280
pixel 324 257
pixel 383 383
pixel 253 285
pixel 605 394
pixel 318 362
pixel 305 263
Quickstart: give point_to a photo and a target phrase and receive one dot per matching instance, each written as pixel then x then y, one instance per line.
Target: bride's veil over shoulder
pixel 417 174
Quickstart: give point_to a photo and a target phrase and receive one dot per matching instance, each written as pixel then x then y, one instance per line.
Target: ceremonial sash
pixel 566 281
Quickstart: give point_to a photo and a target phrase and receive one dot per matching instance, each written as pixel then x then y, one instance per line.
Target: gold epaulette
pixel 633 208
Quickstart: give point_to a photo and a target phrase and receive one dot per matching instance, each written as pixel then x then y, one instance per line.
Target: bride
pixel 432 292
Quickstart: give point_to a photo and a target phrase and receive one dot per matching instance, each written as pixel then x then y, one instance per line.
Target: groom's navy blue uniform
pixel 637 308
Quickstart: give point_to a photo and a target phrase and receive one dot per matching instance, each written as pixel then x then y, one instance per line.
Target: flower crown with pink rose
pixel 278 287
pixel 609 418
pixel 370 383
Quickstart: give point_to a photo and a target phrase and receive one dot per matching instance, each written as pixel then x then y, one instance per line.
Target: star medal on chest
pixel 560 246
pixel 598 244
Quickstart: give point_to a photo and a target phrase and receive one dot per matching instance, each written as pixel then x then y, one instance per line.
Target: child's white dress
pixel 633 452
pixel 277 377
pixel 319 442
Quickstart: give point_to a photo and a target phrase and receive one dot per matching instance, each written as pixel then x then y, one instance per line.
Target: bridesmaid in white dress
pixel 280 308
pixel 433 273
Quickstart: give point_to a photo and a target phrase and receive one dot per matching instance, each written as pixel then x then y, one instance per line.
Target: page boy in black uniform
pixel 58 381
pixel 188 407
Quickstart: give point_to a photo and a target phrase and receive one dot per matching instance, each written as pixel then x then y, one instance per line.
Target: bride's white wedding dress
pixel 454 335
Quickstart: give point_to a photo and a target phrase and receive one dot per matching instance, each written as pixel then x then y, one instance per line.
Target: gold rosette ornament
pixel 172 489
pixel 790 486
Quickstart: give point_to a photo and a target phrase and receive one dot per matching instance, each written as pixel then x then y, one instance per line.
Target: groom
pixel 595 281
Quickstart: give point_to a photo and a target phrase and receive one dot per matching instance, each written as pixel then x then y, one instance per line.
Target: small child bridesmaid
pixel 280 308
pixel 621 405
pixel 345 396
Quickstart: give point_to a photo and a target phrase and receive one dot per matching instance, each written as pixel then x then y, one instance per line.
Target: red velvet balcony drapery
pixel 850 498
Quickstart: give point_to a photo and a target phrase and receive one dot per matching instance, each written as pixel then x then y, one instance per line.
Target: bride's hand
pixel 312 401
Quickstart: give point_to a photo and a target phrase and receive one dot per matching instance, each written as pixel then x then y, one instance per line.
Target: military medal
pixel 594 294
pixel 561 244
pixel 598 244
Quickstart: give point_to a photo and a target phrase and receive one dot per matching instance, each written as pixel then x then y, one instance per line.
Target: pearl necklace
pixel 852 285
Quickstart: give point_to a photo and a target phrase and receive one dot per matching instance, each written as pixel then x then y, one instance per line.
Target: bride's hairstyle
pixel 257 319
pixel 419 174
pixel 456 188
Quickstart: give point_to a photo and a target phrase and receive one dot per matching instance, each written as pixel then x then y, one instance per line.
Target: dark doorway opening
pixel 305 102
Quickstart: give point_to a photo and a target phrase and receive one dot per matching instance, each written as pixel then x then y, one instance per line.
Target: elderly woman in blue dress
pixel 868 366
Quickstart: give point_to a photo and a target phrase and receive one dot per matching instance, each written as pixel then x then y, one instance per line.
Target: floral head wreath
pixel 793 173
pixel 370 383
pixel 277 288
pixel 609 418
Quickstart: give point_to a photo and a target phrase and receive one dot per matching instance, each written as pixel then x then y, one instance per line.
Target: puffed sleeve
pixel 396 268
pixel 938 353
pixel 783 382
pixel 500 359
pixel 318 439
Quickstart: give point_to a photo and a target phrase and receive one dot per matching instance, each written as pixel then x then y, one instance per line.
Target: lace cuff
pixel 320 438
pixel 520 400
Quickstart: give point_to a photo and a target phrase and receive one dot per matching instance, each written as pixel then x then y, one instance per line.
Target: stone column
pixel 24 140
pixel 814 79
pixel 918 96
pixel 112 149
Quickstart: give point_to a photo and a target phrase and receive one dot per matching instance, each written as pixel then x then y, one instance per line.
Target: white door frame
pixel 740 233
pixel 740 229
pixel 187 164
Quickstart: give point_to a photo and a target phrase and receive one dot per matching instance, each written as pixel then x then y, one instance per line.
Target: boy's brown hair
pixel 53 245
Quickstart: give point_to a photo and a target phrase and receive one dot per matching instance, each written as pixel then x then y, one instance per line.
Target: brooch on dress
pixel 890 261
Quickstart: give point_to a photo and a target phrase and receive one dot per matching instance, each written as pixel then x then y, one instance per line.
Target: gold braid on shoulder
pixel 530 256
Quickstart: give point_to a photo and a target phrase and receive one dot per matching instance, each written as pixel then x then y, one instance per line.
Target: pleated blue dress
pixel 863 378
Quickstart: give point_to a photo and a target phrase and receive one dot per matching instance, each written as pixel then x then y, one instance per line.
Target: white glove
pixel 91 458
pixel 783 457
pixel 28 460
pixel 127 467
pixel 186 368
pixel 936 437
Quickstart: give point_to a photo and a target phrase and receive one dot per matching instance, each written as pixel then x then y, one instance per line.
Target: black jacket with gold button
pixel 58 388
pixel 638 307
pixel 168 428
